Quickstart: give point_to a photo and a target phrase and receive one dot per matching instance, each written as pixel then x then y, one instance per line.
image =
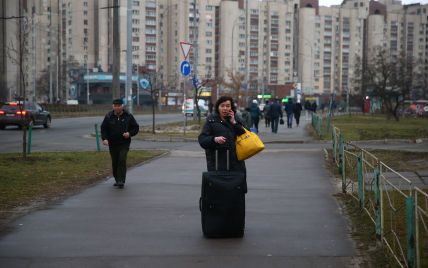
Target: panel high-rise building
pixel 268 43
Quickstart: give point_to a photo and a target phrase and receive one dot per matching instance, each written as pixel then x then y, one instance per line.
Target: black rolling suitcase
pixel 222 202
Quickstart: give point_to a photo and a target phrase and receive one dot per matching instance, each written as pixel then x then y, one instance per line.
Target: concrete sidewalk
pixel 292 219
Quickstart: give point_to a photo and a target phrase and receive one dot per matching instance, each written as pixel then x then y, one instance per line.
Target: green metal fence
pixel 398 210
pixel 421 227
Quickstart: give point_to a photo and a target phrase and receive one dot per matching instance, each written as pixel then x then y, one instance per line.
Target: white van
pixel 187 107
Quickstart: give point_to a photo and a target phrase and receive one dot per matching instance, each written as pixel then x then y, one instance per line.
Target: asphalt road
pixel 68 134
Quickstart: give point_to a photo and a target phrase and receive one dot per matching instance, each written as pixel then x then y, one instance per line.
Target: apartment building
pixel 271 42
pixel 35 23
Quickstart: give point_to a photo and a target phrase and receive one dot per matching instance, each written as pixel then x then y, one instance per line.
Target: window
pixel 136 3
pixel 208 34
pixel 85 22
pixel 209 8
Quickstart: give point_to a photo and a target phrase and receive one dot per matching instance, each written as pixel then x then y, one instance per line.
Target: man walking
pixel 116 131
pixel 255 114
pixel 289 109
pixel 274 113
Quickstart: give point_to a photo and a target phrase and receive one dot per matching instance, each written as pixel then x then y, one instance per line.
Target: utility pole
pixel 128 89
pixel 195 60
pixel 116 51
pixel 34 62
pixel 50 53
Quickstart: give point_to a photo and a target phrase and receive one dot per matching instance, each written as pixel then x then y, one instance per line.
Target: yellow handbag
pixel 247 145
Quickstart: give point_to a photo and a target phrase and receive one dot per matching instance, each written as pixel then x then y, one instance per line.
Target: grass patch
pixel 172 131
pixel 363 232
pixel 45 177
pixel 403 161
pixel 377 127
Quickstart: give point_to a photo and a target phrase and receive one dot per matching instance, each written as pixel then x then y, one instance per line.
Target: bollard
pixel 30 138
pixel 97 137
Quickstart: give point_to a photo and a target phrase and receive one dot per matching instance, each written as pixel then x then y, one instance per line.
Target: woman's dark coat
pixel 215 127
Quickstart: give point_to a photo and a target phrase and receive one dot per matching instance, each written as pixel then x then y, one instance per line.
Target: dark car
pixel 27 113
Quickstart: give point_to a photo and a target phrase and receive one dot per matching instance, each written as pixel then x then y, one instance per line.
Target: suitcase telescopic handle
pixel 227 159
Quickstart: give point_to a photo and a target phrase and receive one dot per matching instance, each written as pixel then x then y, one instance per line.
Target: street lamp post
pixel 128 89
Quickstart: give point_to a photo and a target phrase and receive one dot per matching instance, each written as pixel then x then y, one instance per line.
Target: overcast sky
pixel 338 2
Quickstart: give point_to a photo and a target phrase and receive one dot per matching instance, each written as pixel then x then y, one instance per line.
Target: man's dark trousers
pixel 274 124
pixel 118 155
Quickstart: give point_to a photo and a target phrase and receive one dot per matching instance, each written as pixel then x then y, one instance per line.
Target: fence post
pixel 410 222
pixel 333 138
pixel 320 127
pixel 361 182
pixel 97 137
pixel 342 162
pixel 378 203
pixel 30 138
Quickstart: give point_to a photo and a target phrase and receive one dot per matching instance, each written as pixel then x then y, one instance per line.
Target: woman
pixel 219 133
pixel 222 201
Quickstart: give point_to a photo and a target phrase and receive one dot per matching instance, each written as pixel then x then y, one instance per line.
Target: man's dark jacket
pixel 275 111
pixel 114 126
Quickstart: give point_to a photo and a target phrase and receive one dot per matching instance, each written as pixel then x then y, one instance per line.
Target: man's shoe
pixel 116 184
pixel 120 185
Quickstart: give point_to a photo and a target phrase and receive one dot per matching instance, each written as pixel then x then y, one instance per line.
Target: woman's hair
pixel 224 99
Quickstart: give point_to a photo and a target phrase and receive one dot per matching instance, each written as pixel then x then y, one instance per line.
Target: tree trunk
pixel 153 108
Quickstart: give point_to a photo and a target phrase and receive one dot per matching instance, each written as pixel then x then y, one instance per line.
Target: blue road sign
pixel 144 83
pixel 185 68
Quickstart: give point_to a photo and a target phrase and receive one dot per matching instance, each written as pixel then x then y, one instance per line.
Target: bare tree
pixel 421 88
pixel 198 90
pixel 154 85
pixel 18 53
pixel 235 84
pixel 387 77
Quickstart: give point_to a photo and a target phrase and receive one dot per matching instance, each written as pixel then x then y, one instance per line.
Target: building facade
pixel 269 43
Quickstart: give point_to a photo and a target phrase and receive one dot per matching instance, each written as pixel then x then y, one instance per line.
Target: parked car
pixel 24 113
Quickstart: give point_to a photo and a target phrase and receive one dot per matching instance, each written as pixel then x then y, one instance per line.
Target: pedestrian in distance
pixel 245 118
pixel 314 107
pixel 275 112
pixel 265 114
pixel 289 109
pixel 117 129
pixel 297 110
pixel 255 114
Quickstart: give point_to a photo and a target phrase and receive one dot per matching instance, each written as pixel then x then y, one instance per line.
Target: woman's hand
pixel 220 140
pixel 232 117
